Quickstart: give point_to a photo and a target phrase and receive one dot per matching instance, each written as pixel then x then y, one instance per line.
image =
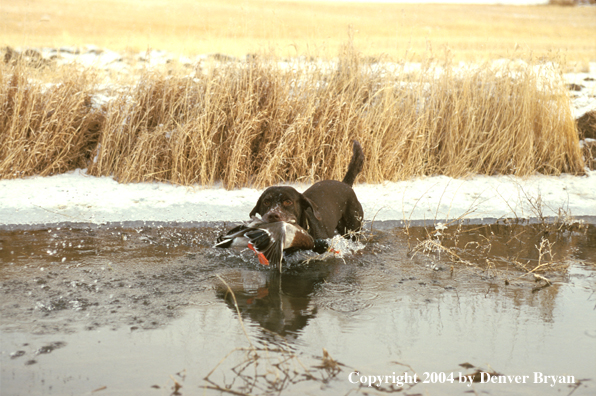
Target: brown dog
pixel 326 207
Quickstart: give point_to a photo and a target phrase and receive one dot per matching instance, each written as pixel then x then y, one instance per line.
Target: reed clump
pixel 263 121
pixel 45 128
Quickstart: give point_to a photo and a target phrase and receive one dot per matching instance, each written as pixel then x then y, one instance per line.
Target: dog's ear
pixel 307 203
pixel 256 210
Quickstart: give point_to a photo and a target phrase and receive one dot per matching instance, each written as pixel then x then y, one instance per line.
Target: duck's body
pixel 268 240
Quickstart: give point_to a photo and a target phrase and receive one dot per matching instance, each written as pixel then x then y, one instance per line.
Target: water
pixel 149 310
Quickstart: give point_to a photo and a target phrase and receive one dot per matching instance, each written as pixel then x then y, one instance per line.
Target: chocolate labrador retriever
pixel 326 207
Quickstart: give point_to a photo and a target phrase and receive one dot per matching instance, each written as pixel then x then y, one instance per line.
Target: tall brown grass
pixel 259 123
pixel 45 128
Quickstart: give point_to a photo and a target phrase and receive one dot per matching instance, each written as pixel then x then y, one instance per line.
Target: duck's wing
pixel 259 238
pixel 227 240
pixel 269 240
pixel 235 237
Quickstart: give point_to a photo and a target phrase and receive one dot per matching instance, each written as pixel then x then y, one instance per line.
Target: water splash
pixel 339 247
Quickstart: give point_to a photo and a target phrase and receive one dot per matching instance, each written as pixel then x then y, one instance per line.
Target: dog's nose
pixel 272 217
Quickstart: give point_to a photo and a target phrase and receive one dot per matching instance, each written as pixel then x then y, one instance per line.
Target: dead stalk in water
pixel 237 309
pixel 544 249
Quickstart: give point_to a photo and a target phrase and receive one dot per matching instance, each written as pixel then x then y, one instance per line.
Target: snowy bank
pixel 76 197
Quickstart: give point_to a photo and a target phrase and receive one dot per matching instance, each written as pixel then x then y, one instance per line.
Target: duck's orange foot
pixel 262 259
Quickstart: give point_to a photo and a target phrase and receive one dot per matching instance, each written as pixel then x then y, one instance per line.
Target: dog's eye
pixel 287 202
pixel 267 202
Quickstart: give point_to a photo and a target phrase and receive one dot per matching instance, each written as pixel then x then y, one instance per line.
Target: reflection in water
pixel 280 303
pixel 514 254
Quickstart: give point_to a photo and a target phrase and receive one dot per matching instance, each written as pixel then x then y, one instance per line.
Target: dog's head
pixel 282 203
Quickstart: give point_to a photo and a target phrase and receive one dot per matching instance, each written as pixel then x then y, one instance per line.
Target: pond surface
pixel 153 310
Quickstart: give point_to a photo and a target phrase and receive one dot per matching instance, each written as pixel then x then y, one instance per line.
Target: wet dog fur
pixel 327 207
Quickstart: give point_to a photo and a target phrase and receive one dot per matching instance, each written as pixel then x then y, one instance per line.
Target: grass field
pixel 236 27
pixel 257 123
pixel 253 122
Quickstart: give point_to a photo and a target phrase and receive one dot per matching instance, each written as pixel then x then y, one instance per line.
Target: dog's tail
pixel 356 164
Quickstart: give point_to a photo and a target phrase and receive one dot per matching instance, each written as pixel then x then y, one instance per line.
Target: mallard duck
pixel 267 240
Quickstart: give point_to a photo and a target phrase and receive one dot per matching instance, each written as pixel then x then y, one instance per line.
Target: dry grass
pixel 45 128
pixel 258 123
pixel 255 123
pixel 237 27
